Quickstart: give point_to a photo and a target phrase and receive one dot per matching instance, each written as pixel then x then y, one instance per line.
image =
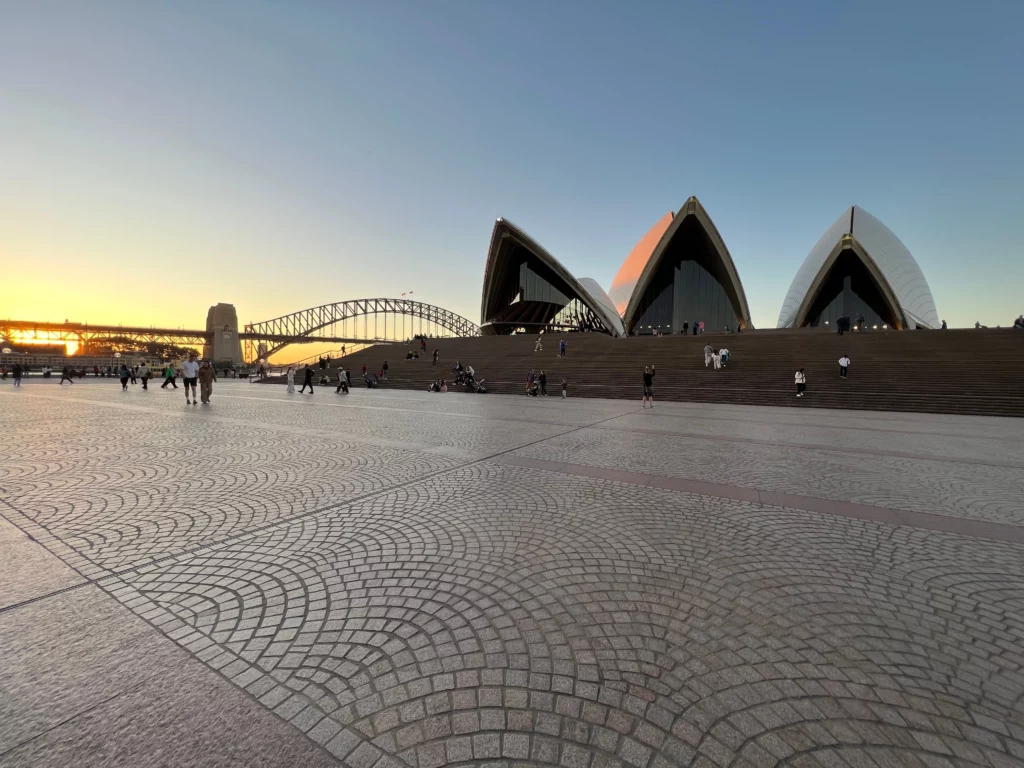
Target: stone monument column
pixel 226 347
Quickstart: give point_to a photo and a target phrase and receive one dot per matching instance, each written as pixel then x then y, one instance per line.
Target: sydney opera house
pixel 681 273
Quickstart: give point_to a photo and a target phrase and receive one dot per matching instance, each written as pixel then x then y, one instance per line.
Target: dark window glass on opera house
pixel 681 272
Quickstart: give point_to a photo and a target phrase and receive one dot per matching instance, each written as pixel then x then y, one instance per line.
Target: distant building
pixel 859 267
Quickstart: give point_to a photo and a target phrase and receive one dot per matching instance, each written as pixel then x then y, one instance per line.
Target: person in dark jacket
pixel 648 386
pixel 307 380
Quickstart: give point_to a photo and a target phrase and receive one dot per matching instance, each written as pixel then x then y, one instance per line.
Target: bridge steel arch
pixel 306 322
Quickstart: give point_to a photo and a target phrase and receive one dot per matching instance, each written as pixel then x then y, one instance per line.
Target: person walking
pixel 16 372
pixel 124 374
pixel 531 379
pixel 716 358
pixel 648 385
pixel 801 382
pixel 207 375
pixel 307 380
pixel 844 364
pixel 435 357
pixel 724 354
pixel 132 369
pixel 189 374
pixel 701 324
pixel 565 387
pixel 562 347
pixel 538 347
pixel 65 375
pixel 169 377
pixel 144 374
pixel 342 381
pixel 290 377
pixel 708 352
pixel 543 380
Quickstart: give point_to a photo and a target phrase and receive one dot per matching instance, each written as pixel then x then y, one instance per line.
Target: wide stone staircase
pixel 957 371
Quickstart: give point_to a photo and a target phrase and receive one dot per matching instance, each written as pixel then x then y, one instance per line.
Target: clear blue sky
pixel 278 155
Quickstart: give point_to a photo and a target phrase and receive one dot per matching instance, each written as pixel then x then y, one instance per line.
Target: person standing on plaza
pixel 531 379
pixel 307 380
pixel 364 370
pixel 189 374
pixel 565 388
pixel 708 352
pixel 384 371
pixel 290 376
pixel 169 377
pixel 65 375
pixel 144 374
pixel 648 386
pixel 16 372
pixel 801 382
pixel 207 375
pixel 124 374
pixel 844 364
pixel 543 379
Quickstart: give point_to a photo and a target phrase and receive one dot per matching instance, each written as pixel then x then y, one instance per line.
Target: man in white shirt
pixel 144 374
pixel 844 363
pixel 724 354
pixel 189 373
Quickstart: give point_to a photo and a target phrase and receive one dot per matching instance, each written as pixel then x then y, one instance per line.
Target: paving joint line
pixel 818 447
pixel 48 595
pixel 960 526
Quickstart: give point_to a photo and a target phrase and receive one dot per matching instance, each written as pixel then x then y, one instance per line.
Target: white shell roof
pixel 598 294
pixel 891 256
pixel 585 288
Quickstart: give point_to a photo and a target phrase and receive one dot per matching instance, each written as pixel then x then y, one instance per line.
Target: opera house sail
pixel 526 290
pixel 859 268
pixel 680 272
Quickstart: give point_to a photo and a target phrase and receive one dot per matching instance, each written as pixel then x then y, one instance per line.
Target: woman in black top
pixel 648 385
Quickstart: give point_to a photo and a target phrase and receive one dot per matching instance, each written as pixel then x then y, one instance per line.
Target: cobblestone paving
pixel 424 607
pixel 960 489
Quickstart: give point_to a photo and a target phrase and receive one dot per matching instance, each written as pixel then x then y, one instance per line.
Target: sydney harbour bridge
pixel 357 321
